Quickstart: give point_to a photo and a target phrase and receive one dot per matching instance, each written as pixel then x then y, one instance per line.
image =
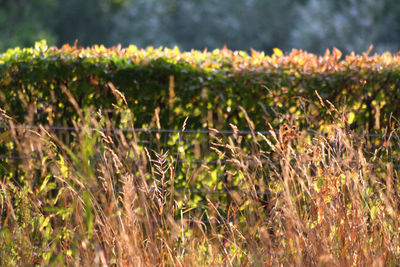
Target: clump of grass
pixel 102 197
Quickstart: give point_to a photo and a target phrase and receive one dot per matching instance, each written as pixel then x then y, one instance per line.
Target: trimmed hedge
pixel 207 86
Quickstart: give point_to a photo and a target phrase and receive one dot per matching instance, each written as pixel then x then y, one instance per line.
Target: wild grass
pixel 97 197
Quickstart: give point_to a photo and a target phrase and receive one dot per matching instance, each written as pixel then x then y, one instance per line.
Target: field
pixel 94 194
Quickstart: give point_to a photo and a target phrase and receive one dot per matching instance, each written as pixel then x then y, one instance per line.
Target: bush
pixel 207 86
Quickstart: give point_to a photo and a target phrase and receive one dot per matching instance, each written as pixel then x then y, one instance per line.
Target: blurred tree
pixel 89 21
pixel 241 24
pixel 23 22
pixel 143 23
pixel 350 25
pixel 313 25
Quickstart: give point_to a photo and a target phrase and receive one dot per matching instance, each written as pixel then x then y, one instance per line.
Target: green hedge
pixel 207 86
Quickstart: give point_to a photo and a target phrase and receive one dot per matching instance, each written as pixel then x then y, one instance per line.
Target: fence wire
pixel 196 161
pixel 147 130
pixel 206 162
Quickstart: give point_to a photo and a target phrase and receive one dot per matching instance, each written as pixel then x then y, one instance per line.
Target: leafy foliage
pixel 209 86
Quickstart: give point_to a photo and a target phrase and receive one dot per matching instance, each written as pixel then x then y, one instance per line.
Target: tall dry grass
pixel 93 197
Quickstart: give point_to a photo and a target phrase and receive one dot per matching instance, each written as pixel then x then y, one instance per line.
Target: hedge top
pixel 216 60
pixel 204 82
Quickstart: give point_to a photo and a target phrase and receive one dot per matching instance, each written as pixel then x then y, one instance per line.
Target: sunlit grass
pixel 97 197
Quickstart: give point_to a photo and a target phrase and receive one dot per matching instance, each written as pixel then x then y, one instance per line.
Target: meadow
pixel 93 194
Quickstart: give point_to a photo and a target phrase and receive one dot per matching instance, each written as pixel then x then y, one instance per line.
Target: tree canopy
pixel 313 25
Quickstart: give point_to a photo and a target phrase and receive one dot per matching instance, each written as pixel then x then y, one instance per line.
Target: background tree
pixel 241 24
pixel 89 21
pixel 350 25
pixel 23 22
pixel 313 25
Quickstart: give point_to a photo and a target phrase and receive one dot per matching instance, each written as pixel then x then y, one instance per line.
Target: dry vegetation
pixel 96 197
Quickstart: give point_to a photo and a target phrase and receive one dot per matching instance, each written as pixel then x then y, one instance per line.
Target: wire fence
pixel 176 191
pixel 196 161
pixel 192 161
pixel 147 130
pixel 186 131
pixel 206 162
